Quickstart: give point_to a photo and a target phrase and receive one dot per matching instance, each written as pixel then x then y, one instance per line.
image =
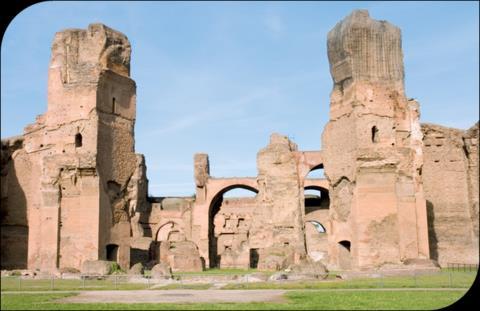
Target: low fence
pixel 76 282
pixel 447 278
pixel 462 266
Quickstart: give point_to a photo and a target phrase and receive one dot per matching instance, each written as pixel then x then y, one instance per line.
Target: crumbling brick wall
pixel 78 169
pixel 450 177
pixel 372 149
pixel 14 171
pixel 277 227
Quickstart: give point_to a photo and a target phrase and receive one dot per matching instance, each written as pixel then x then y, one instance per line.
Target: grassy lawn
pixel 14 284
pixel 443 279
pixel 297 300
pixel 439 280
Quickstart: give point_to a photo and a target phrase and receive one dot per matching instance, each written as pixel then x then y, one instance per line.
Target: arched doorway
pixel 315 190
pixel 316 203
pixel 173 246
pixel 170 231
pixel 228 232
pixel 166 232
pixel 316 172
pixel 344 255
pixel 316 198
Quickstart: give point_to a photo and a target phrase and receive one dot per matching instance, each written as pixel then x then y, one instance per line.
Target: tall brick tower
pixel 373 149
pixel 82 153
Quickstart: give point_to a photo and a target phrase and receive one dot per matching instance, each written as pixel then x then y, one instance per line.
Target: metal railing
pixel 75 282
pixel 462 266
pixel 451 277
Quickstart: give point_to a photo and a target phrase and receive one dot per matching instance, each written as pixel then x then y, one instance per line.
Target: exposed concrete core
pixel 73 190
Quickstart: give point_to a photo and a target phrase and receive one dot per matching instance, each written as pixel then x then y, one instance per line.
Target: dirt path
pixel 177 296
pixel 199 296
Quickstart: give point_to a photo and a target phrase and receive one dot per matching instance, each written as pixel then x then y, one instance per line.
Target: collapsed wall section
pixel 231 229
pixel 277 228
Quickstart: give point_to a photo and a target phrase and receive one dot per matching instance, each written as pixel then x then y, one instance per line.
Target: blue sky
pixel 220 77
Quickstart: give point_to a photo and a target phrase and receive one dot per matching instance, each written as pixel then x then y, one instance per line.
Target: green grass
pixel 309 300
pixel 15 284
pixel 443 279
pixel 438 280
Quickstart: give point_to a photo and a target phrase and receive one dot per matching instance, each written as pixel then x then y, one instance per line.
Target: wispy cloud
pixel 216 111
pixel 449 44
pixel 236 108
pixel 180 124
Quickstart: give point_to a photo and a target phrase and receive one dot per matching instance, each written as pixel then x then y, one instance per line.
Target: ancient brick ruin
pixel 396 191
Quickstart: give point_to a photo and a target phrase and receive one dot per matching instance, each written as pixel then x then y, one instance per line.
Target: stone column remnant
pixel 277 225
pixel 201 174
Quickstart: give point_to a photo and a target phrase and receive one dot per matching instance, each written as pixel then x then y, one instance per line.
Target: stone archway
pixel 172 246
pixel 214 208
pixel 210 191
pixel 308 161
pixel 314 203
pixel 317 203
pixel 161 237
pixel 169 230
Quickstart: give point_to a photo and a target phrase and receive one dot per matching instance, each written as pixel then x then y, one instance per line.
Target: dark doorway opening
pixel 253 258
pixel 112 252
pixel 374 134
pixel 114 105
pixel 213 240
pixel 432 234
pixel 316 198
pixel 78 140
pixel 345 244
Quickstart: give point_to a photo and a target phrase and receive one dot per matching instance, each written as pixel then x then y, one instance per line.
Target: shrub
pixel 115 269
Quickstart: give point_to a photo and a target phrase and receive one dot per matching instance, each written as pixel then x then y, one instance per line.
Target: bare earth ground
pixel 197 296
pixel 177 296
